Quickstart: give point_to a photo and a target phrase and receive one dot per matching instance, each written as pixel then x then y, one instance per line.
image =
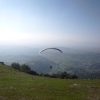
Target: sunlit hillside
pixel 16 85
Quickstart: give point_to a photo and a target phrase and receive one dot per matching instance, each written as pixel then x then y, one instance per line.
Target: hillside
pixel 16 85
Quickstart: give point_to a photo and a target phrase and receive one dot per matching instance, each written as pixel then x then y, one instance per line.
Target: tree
pixel 15 66
pixel 74 76
pixel 25 68
pixel 32 72
pixel 64 75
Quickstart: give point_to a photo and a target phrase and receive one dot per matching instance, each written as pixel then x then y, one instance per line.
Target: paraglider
pixel 50 67
pixel 50 48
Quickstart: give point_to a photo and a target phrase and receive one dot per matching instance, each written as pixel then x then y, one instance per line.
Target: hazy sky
pixel 50 22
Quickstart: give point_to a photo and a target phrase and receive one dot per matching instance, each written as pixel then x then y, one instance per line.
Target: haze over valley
pixel 83 63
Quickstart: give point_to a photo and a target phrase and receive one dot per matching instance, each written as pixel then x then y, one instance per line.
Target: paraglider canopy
pixel 50 48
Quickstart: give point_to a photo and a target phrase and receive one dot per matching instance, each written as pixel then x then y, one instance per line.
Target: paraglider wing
pixel 50 48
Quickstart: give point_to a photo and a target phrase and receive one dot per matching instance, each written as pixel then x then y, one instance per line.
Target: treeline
pixel 63 75
pixel 25 68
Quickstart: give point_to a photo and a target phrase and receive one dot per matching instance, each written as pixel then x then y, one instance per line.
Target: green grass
pixel 16 85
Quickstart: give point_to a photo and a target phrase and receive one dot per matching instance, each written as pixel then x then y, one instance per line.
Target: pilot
pixel 50 67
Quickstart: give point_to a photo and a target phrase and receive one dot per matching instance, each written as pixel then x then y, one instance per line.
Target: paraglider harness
pixel 50 67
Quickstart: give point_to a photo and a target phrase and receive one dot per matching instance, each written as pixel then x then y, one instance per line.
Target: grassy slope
pixel 15 85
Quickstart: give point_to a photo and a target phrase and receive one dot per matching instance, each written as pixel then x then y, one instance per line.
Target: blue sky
pixel 67 23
